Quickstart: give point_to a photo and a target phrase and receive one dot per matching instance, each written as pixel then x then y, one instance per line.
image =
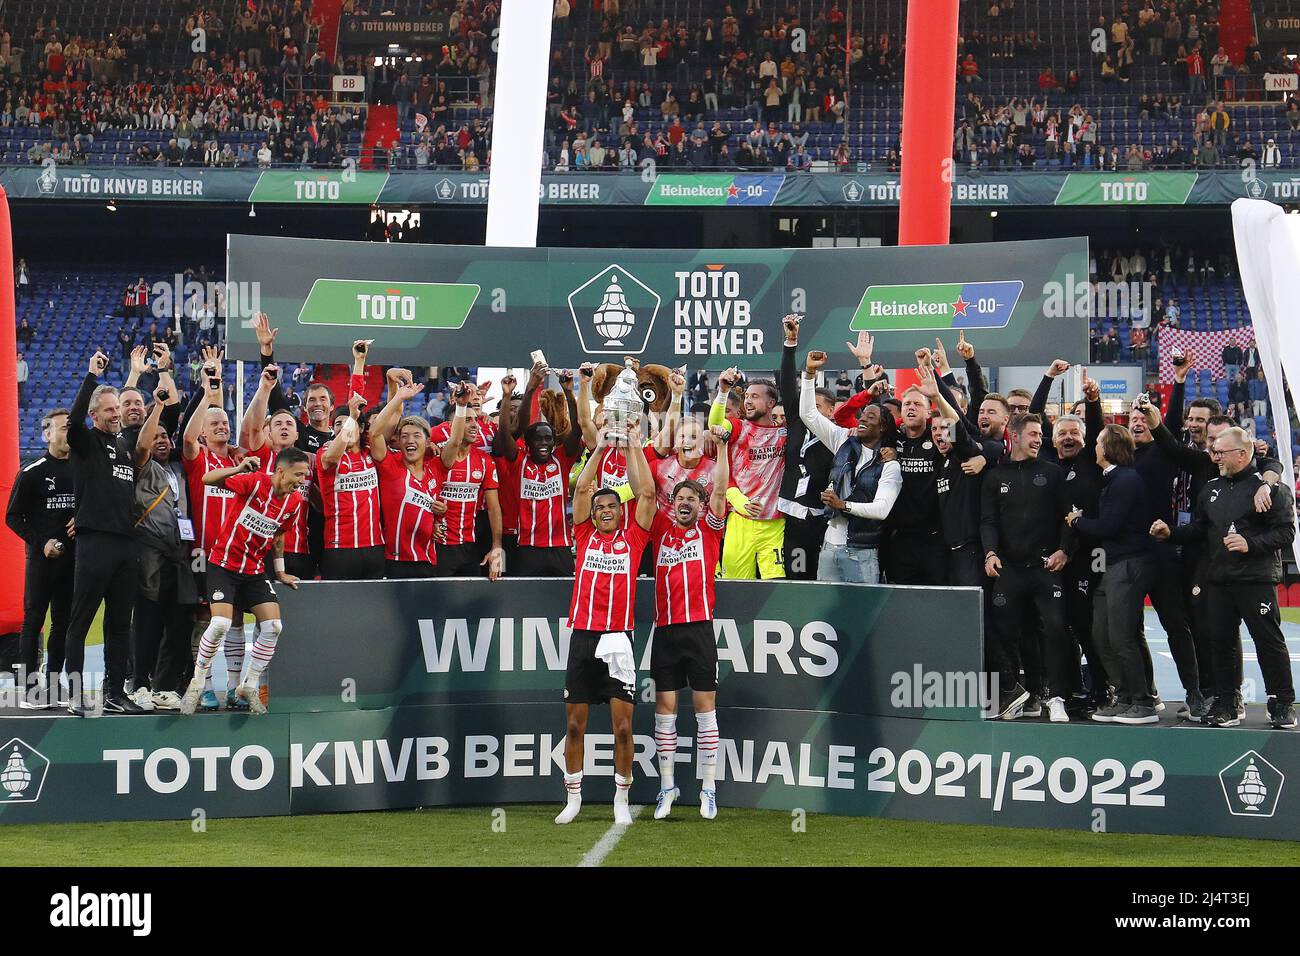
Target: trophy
pixel 622 405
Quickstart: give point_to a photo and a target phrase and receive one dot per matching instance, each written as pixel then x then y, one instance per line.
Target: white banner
pixel 349 84
pixel 1281 82
pixel 1268 253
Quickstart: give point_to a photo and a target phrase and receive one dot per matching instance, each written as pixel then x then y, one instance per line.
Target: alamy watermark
pixel 1079 298
pixel 188 297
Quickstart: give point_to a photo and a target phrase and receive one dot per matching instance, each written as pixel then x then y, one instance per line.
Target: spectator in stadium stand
pixel 104 482
pixel 1129 574
pixel 349 491
pixel 864 483
pixel 25 333
pixel 166 596
pixel 1243 567
pixel 22 373
pixel 533 474
pixel 1024 501
pixel 22 280
pixel 755 541
pixel 41 506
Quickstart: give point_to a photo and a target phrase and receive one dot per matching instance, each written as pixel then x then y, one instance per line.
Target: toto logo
pixel 22 772
pixel 1251 786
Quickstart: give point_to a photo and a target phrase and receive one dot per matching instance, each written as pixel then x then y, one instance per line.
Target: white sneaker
pixel 142 698
pixel 622 813
pixel 36 696
pixel 1056 711
pixel 250 694
pixel 664 802
pixel 570 811
pixel 166 700
pixel 708 804
pixel 190 701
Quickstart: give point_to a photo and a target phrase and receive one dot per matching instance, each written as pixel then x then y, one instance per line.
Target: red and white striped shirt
pixel 210 505
pixel 408 509
pixel 258 516
pixel 613 468
pixel 487 429
pixel 295 536
pixel 350 494
pixel 604 586
pixel 685 566
pixel 668 472
pixel 462 486
pixel 758 462
pixel 537 495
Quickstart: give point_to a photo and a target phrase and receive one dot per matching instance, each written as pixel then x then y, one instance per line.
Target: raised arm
pixel 218 476
pixel 573 439
pixel 1039 402
pixel 163 398
pixel 641 480
pixel 586 424
pixel 78 430
pixel 252 431
pixel 139 359
pixel 536 376
pixel 461 394
pixel 826 431
pixel 194 426
pixel 667 436
pixel 721 472
pixel 343 438
pixel 587 483
pixel 385 423
pixel 503 441
pixel 788 379
pixel 718 410
pixel 275 400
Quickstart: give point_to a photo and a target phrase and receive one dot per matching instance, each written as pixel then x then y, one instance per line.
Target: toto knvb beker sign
pixel 705 308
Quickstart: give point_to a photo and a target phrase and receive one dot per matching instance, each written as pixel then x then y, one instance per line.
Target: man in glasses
pixel 1243 541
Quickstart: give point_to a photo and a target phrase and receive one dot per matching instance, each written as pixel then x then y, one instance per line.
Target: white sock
pixel 622 785
pixel 706 745
pixel 211 641
pixel 573 785
pixel 234 657
pixel 666 745
pixel 268 632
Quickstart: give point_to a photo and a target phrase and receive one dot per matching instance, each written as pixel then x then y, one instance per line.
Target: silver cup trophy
pixel 622 405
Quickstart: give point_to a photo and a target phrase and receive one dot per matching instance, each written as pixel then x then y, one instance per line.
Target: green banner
pixel 1026 773
pixel 326 187
pixel 416 305
pixel 435 187
pixel 707 308
pixel 1126 189
pixel 817 646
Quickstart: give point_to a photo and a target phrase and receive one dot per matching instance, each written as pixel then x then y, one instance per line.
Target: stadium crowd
pixel 1067 524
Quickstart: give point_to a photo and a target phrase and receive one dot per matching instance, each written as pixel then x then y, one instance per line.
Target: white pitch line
pixel 605 845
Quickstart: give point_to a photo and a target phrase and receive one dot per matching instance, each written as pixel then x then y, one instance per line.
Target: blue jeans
pixel 841 564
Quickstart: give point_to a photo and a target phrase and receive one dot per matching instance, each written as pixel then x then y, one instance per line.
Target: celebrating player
pixel 534 471
pixel 601 666
pixel 683 650
pixel 467 474
pixel 755 542
pixel 349 490
pixel 206 447
pixel 264 506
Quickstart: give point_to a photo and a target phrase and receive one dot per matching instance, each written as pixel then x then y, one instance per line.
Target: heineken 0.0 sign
pixel 704 308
